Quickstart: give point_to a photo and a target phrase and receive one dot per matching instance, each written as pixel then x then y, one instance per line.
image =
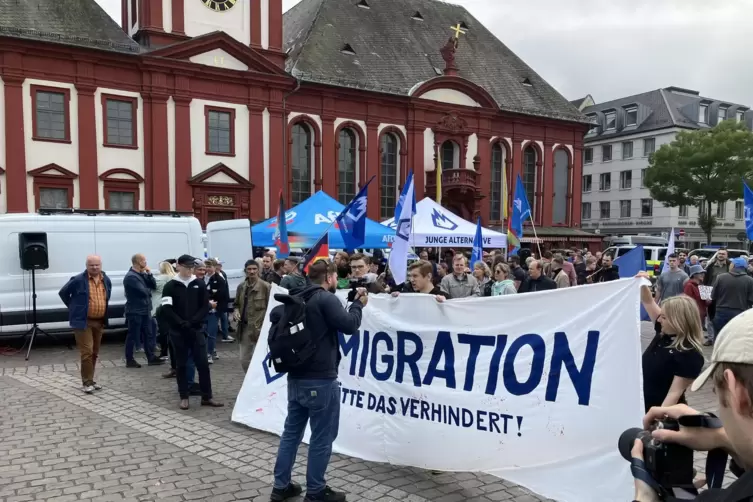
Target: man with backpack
pixel 304 342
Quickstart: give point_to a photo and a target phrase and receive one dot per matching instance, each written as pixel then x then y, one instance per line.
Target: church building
pixel 214 107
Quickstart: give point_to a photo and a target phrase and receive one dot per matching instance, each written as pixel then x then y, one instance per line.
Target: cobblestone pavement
pixel 130 442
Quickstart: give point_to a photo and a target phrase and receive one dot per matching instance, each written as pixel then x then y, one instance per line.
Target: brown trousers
pixel 88 341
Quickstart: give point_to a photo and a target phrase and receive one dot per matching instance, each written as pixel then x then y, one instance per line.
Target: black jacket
pixel 543 283
pixel 325 317
pixel 607 274
pixel 581 273
pixel 185 304
pixel 218 291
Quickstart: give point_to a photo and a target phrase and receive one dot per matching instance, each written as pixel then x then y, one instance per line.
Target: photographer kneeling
pixel 311 319
pixel 731 372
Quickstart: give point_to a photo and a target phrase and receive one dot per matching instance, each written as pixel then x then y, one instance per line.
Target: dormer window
pixel 631 116
pixel 527 82
pixel 347 49
pixel 703 113
pixel 363 4
pixel 417 16
pixel 463 26
pixel 610 122
pixel 721 116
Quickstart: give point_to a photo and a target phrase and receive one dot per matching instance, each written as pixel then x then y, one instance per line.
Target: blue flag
pixel 748 210
pixel 398 260
pixel 478 245
pixel 352 221
pixel 399 206
pixel 521 211
pixel 630 264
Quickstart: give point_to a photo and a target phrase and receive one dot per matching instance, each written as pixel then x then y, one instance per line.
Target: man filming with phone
pixel 304 342
pixel 731 374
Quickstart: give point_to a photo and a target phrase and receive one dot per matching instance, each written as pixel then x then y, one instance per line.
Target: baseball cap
pixel 740 262
pixel 734 344
pixel 186 260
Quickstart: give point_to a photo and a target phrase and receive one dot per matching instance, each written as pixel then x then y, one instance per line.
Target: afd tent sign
pixel 308 221
pixel 485 385
pixel 436 226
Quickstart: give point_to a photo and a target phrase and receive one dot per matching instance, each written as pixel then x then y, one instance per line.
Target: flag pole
pixel 538 246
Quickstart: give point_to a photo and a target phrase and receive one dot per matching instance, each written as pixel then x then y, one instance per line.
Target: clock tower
pixel 156 23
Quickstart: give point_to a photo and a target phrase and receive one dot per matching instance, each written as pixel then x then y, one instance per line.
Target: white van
pixel 70 239
pixel 230 241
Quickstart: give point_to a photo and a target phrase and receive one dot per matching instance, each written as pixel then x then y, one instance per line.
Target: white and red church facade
pixel 208 121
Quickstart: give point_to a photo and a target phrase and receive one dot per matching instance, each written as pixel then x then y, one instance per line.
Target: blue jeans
pixel 212 327
pixel 721 318
pixel 139 328
pixel 317 401
pixel 224 325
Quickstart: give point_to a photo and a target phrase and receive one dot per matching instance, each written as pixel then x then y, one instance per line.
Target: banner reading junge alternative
pixel 533 388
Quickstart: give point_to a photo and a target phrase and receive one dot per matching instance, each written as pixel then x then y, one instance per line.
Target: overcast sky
pixel 616 48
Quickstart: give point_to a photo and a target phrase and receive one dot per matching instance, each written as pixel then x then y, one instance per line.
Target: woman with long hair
pixel 166 273
pixel 674 358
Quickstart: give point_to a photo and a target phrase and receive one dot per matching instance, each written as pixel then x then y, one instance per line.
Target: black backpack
pixel 290 343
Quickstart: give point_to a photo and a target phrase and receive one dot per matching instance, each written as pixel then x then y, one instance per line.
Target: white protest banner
pixel 533 388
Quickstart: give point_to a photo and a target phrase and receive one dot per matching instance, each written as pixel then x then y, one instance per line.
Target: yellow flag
pixel 504 190
pixel 439 178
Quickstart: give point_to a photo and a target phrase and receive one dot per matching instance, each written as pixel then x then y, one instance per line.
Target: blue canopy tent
pixel 307 221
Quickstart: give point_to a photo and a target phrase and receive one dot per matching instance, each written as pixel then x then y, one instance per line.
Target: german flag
pixel 320 251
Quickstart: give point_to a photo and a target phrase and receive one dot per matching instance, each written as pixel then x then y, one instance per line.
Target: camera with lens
pixel 671 465
pixel 361 282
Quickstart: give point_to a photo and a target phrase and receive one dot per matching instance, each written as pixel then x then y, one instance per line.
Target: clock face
pixel 219 5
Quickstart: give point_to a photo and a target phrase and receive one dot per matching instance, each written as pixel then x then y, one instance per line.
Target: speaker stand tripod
pixel 35 329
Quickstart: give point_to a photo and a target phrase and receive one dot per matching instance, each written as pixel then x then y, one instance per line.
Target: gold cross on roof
pixel 458 30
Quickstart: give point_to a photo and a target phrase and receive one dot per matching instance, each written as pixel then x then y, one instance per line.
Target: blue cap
pixel 740 262
pixel 696 269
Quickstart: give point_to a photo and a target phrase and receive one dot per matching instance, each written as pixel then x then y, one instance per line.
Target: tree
pixel 702 167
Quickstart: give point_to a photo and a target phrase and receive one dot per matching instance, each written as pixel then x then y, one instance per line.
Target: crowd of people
pixel 182 312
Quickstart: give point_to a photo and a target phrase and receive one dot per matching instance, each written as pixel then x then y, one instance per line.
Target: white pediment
pixel 221 177
pixel 450 96
pixel 220 59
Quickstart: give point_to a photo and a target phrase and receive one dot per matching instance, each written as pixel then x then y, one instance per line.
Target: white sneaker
pixel 89 389
pixel 209 360
pixel 216 356
pixel 229 339
pixel 96 386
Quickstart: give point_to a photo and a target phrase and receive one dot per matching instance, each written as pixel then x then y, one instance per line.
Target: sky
pixel 616 48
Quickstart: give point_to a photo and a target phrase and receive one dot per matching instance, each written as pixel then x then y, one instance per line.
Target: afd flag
pixel 281 232
pixel 399 207
pixel 398 261
pixel 352 221
pixel 478 245
pixel 748 197
pixel 521 211
pixel 630 264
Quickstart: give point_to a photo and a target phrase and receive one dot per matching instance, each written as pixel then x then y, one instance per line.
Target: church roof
pixel 71 22
pixel 391 45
